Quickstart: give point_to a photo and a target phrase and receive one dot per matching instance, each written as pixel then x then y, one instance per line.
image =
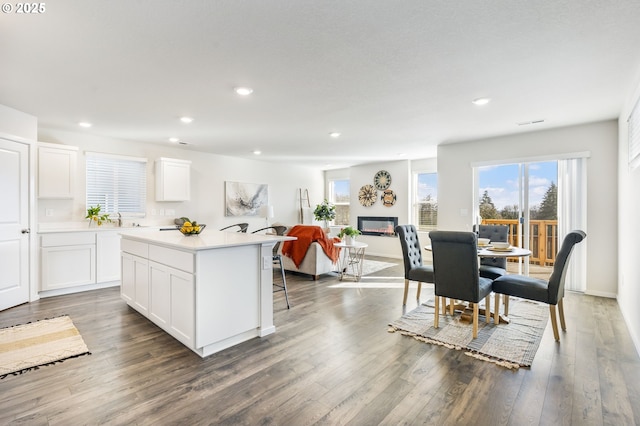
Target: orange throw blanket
pixel 307 234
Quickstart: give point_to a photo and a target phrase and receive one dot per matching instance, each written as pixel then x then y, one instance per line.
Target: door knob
pixel 25 231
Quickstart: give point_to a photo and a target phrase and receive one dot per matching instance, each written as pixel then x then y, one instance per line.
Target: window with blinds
pixel 117 183
pixel 634 135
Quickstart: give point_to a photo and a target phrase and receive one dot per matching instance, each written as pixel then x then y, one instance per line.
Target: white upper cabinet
pixel 56 170
pixel 173 180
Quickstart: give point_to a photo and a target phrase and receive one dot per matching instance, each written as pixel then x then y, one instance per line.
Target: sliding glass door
pixel 522 196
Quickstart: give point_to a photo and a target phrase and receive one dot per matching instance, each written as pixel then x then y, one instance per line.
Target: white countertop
pixel 208 239
pixel 84 227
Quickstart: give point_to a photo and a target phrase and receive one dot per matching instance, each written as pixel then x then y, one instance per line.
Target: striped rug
pixel 510 345
pixel 30 346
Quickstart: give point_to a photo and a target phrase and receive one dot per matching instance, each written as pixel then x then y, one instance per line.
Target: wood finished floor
pixel 331 361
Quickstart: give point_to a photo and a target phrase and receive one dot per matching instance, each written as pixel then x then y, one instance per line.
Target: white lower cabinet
pixel 67 260
pixel 163 293
pixel 134 288
pixel 107 256
pixel 172 301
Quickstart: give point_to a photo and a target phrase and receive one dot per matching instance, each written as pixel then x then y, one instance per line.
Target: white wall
pixel 208 174
pixel 401 177
pixel 455 186
pixel 16 123
pixel 629 229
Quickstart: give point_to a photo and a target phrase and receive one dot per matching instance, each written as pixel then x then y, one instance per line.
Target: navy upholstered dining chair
pixel 414 270
pixel 493 267
pixel 550 292
pixel 456 272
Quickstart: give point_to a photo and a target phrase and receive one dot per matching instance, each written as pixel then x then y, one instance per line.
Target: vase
pixel 348 239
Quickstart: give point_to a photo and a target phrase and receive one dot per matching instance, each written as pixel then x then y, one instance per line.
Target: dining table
pixel 490 251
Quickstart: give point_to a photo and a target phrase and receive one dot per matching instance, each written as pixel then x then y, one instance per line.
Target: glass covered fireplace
pixel 378 225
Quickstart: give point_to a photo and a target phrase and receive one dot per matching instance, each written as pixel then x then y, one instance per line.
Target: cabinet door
pixel 68 266
pixel 107 256
pixel 160 306
pixel 183 314
pixel 172 301
pixel 173 180
pixel 128 280
pixel 134 288
pixel 56 172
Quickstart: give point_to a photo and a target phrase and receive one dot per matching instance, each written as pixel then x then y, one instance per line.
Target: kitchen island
pixel 209 291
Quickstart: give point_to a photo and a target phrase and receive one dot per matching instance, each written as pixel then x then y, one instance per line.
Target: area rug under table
pixel 511 345
pixel 29 346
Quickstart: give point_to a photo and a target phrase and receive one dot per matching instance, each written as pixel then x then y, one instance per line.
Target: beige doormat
pixel 30 346
pixel 510 345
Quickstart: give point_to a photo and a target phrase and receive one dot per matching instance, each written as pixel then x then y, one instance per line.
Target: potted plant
pixel 93 214
pixel 349 234
pixel 325 212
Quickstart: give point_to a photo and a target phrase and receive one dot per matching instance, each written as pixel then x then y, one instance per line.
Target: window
pixel 425 211
pixel 339 196
pixel 117 183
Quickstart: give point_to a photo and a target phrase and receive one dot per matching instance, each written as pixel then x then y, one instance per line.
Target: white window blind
pixel 634 135
pixel 117 183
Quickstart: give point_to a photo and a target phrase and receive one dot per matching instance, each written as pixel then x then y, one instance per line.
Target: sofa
pixel 315 262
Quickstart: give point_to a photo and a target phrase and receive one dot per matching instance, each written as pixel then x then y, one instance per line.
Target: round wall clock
pixel 382 180
pixel 388 198
pixel 367 195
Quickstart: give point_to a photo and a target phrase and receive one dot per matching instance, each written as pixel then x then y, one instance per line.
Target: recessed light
pixel 85 124
pixel 174 140
pixel 481 101
pixel 243 91
pixel 334 134
pixel 257 152
pixel 186 119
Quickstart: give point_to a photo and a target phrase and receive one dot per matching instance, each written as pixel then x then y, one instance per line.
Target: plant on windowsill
pixel 349 234
pixel 325 212
pixel 94 216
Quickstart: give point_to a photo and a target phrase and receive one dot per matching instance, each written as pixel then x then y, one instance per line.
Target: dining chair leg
pixel 435 318
pixel 406 291
pixel 554 322
pixel 487 308
pixel 475 320
pixel 419 289
pixel 563 325
pixel 506 304
pixel 444 305
pixel 496 308
pixel 452 306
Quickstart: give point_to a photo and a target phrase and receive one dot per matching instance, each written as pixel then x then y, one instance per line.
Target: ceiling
pixel 394 77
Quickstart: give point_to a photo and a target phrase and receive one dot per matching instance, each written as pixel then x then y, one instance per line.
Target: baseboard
pixel 78 289
pixel 601 294
pixel 634 338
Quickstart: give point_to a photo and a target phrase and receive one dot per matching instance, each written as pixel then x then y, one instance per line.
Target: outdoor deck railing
pixel 543 238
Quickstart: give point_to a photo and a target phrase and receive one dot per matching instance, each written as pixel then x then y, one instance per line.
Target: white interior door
pixel 14 223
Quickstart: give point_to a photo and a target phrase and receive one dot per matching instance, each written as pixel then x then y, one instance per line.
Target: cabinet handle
pixel 25 231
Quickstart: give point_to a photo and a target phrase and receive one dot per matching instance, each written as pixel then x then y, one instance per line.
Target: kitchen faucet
pixel 119 220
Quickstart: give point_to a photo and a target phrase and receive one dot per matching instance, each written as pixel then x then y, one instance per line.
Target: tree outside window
pixel 339 196
pixel 426 201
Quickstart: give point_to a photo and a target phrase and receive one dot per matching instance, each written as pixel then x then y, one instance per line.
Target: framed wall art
pixel 245 199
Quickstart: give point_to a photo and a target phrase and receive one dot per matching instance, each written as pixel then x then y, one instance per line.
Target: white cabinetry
pixel 158 282
pixel 73 259
pixel 107 256
pixel 134 288
pixel 172 301
pixel 67 260
pixel 173 179
pixel 56 170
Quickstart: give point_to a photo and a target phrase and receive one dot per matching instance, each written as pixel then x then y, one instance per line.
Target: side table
pixel 351 259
